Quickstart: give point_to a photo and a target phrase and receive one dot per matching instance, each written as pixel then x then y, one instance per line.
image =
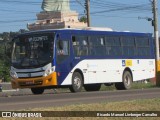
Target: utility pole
pixel 156 37
pixel 87 7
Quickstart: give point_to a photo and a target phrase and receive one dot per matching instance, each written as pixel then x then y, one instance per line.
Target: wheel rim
pixel 127 80
pixel 77 82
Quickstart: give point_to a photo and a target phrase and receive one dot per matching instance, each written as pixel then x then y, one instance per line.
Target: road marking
pixel 10 90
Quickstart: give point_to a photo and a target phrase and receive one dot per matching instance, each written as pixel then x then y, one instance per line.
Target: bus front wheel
pixel 127 81
pixel 77 82
pixel 37 91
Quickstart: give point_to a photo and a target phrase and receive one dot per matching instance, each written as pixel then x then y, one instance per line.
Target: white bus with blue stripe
pixel 81 58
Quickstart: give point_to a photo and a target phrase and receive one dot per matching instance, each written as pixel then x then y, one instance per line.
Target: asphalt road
pixel 30 101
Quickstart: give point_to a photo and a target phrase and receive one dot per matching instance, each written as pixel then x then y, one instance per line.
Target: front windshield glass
pixel 30 51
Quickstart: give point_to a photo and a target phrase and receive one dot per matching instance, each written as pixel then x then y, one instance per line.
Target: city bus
pixel 76 58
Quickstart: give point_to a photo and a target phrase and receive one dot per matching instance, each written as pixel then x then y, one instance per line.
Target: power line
pixel 120 3
pixel 97 8
pixel 119 6
pixel 98 4
pixel 116 9
pixel 15 21
pixel 17 11
pixel 81 4
pixel 117 16
pixel 30 2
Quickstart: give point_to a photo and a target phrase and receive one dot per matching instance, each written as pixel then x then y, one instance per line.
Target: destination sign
pixel 37 39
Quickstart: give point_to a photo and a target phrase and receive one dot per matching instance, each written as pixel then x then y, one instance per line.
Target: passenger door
pixel 63 59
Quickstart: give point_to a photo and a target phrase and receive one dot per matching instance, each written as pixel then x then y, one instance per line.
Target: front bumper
pixel 47 81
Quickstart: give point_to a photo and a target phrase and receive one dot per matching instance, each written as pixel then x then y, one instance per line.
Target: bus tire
pixel 127 81
pixel 37 91
pixel 92 87
pixel 77 82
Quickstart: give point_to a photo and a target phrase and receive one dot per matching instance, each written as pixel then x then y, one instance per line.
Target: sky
pixel 120 15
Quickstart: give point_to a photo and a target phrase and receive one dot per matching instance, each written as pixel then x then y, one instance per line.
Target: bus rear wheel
pixel 37 91
pixel 92 87
pixel 77 82
pixel 127 81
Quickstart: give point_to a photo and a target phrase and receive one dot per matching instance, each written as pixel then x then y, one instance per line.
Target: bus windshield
pixel 30 51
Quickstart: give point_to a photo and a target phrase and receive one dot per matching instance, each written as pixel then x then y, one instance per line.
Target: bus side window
pixel 143 46
pixel 97 46
pixel 73 40
pixel 62 50
pixel 60 45
pixel 75 46
pixel 80 45
pixel 113 46
pixel 84 50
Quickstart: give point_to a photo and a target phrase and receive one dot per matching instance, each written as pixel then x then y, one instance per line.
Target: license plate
pixel 29 82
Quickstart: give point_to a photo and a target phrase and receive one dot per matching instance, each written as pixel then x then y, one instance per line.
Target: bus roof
pixel 97 30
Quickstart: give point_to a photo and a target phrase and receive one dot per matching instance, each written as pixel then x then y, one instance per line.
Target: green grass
pixel 135 85
pixel 134 105
pixel 143 85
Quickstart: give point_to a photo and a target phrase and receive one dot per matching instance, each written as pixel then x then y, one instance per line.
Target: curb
pixel 6 87
pixel 14 90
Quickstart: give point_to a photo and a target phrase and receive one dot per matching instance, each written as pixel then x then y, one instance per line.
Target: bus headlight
pixel 13 74
pixel 49 71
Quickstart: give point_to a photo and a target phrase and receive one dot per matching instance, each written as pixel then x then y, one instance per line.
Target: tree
pixel 5 54
pixel 83 19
